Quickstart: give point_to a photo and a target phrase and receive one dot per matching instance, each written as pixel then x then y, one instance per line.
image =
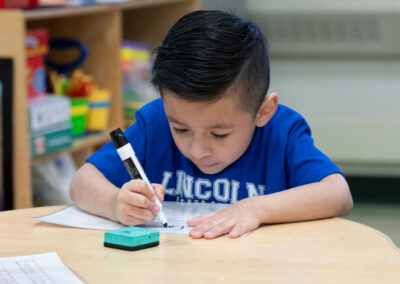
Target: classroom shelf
pixel 102 28
pixel 57 12
pixel 78 144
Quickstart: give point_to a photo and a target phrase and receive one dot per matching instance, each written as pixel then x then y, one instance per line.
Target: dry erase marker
pixel 132 164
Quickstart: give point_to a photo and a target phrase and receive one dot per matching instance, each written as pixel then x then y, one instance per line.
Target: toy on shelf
pixel 136 73
pixel 81 85
pixel 79 89
pixel 99 104
pixel 66 44
pixel 89 104
pixel 36 49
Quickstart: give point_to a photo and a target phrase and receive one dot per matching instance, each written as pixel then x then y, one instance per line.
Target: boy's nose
pixel 199 149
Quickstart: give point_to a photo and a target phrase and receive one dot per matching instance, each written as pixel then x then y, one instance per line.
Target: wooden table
pixel 326 251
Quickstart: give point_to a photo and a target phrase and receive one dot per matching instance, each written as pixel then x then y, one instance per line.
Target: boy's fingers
pixel 202 227
pixel 133 215
pixel 139 186
pixel 131 221
pixel 159 187
pixel 136 200
pixel 218 230
pixel 141 201
pixel 199 219
pixel 237 231
pixel 160 191
pixel 201 230
pixel 195 234
pixel 142 214
pixel 198 232
pixel 154 209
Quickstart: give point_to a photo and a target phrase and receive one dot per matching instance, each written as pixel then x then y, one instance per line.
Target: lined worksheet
pixel 36 268
pixel 177 214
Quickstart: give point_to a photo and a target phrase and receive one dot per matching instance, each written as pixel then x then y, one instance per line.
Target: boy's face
pixel 211 134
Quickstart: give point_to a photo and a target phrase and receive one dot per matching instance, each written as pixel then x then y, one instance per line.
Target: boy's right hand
pixel 135 202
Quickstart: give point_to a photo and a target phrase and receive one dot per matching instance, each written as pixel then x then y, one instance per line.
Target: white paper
pixel 72 216
pixel 36 268
pixel 177 214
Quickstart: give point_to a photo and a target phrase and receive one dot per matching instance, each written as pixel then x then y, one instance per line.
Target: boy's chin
pixel 212 169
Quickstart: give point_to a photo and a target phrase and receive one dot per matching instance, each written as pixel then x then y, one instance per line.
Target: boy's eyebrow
pixel 215 126
pixel 221 125
pixel 171 119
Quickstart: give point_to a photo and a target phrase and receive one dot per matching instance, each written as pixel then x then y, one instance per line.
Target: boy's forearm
pixel 328 198
pixel 92 192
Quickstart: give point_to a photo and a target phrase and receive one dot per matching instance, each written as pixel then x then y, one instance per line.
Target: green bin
pixel 79 113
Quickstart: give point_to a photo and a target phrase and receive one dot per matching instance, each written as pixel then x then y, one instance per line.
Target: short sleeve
pixel 305 163
pixel 107 160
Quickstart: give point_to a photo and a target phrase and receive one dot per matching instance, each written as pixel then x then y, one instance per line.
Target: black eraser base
pixel 131 248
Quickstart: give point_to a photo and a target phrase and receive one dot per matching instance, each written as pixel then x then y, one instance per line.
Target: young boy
pixel 215 136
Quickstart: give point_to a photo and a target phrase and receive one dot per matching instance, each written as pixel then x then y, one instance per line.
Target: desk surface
pixel 332 250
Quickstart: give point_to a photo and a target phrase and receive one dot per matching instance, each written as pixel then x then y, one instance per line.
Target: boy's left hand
pixel 235 220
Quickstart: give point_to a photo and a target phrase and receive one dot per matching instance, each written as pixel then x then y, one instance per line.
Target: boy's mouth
pixel 210 168
pixel 206 166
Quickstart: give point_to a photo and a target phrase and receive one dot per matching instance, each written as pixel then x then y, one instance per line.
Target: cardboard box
pixel 18 3
pixel 36 42
pixel 47 111
pixel 51 140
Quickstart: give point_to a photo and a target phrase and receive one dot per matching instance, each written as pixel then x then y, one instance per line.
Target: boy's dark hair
pixel 207 52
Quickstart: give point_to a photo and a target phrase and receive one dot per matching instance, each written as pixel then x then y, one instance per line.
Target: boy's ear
pixel 267 109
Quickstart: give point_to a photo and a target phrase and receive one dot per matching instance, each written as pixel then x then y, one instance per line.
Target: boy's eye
pixel 179 130
pixel 220 136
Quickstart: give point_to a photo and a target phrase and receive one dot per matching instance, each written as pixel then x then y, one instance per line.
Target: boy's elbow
pixel 76 184
pixel 346 208
pixel 340 200
pixel 72 187
pixel 346 204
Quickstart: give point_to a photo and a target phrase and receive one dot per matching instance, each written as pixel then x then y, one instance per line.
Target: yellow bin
pixel 99 105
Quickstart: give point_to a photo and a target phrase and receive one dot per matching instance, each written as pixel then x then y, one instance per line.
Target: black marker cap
pixel 118 137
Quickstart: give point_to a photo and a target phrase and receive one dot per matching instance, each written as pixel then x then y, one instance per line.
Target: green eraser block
pixel 131 238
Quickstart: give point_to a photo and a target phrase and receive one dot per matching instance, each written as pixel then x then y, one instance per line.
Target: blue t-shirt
pixel 280 156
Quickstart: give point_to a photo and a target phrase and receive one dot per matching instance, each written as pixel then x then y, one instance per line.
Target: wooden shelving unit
pixel 101 28
pixel 78 145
